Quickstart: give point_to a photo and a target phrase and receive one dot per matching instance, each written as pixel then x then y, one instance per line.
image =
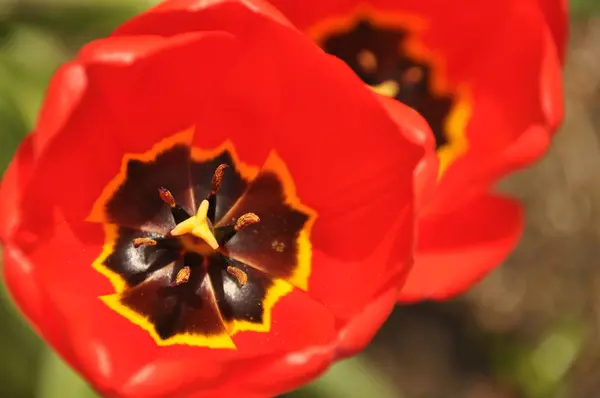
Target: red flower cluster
pixel 488 80
pixel 212 206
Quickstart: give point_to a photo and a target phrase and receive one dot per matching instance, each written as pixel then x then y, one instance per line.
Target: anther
pixel 217 178
pixel 182 276
pixel 367 61
pixel 240 275
pixel 413 75
pixel 137 242
pixel 246 220
pixel 167 196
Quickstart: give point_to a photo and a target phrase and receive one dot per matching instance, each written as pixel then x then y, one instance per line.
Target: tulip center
pixel 385 52
pixel 196 234
pixel 380 58
pixel 200 246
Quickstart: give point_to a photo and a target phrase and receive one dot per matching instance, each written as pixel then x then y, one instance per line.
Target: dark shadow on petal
pixel 236 301
pixel 135 264
pixel 271 244
pixel 186 308
pixel 137 203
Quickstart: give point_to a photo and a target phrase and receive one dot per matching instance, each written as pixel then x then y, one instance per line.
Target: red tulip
pixel 209 206
pixel 487 78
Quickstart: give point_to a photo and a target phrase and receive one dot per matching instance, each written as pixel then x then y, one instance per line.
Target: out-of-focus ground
pixel 528 330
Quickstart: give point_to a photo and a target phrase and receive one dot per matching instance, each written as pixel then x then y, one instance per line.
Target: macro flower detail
pixel 488 81
pixel 190 259
pixel 386 53
pixel 200 206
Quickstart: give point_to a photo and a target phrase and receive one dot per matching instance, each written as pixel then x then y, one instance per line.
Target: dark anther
pixel 137 242
pixel 217 178
pixel 179 213
pixel 246 220
pixel 226 232
pixel 240 275
pixel 214 187
pixel 182 276
pixel 412 75
pixel 367 61
pixel 167 197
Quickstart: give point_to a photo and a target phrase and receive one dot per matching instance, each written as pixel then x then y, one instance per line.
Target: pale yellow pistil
pixel 198 226
pixel 389 88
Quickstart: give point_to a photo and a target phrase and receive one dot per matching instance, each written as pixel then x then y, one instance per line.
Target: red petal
pixel 475 48
pixel 510 107
pixel 142 89
pixel 557 17
pixel 310 99
pixel 297 112
pixel 22 284
pixel 301 112
pixel 459 33
pixel 360 331
pixel 457 249
pixel 346 287
pixel 138 92
pixel 119 357
pixel 174 17
pixel 473 175
pixel 290 110
pixel 414 127
pixel 64 92
pixel 110 351
pixel 274 375
pixel 297 321
pixel 11 187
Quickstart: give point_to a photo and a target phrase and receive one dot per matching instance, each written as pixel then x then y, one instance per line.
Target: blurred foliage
pixel 35 37
pixel 584 8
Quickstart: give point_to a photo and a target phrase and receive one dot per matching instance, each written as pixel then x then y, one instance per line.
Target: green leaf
pixel 78 24
pixel 58 380
pixel 20 348
pixel 352 378
pixel 585 8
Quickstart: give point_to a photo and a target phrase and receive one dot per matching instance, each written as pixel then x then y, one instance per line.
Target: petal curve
pixel 457 249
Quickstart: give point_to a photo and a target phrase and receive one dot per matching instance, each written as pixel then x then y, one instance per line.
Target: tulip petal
pixel 64 93
pixel 557 17
pixel 145 75
pixel 13 183
pixel 173 17
pixel 457 249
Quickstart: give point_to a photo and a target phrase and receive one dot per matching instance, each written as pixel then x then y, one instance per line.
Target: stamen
pixel 224 233
pixel 367 61
pixel 246 220
pixel 240 275
pixel 182 276
pixel 413 75
pixel 217 178
pixel 167 196
pixel 137 242
pixel 198 226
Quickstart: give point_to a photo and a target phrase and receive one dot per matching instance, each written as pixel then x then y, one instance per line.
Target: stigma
pixel 198 226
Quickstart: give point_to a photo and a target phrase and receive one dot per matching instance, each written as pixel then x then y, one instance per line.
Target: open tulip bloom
pixel 210 206
pixel 487 77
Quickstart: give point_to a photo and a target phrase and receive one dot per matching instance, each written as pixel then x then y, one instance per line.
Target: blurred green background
pixel 528 330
